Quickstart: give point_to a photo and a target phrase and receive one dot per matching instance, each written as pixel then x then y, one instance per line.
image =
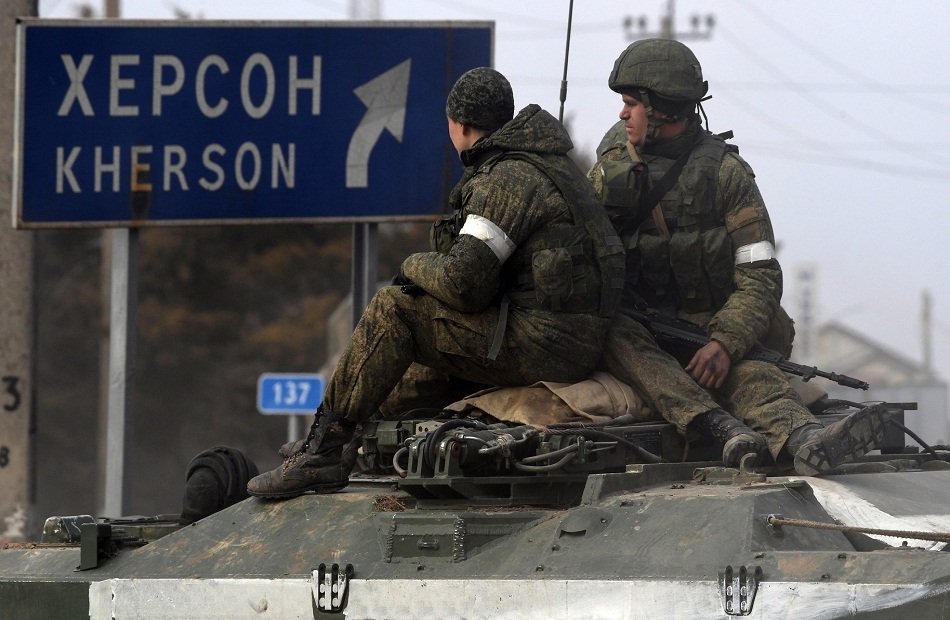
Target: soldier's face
pixel 634 117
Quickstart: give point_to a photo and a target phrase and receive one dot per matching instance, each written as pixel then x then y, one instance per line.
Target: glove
pixel 407 286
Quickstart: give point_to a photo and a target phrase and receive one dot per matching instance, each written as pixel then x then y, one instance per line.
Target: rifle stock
pixel 667 329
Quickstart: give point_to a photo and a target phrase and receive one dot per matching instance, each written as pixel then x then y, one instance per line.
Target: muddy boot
pixel 737 439
pixel 320 463
pixel 293 447
pixel 350 450
pixel 817 449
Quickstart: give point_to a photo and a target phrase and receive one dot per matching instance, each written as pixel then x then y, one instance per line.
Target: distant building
pixel 893 378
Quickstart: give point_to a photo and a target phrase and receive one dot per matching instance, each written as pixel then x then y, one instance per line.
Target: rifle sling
pixel 651 200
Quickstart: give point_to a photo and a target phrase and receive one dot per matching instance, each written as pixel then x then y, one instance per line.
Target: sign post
pixel 293 395
pixel 129 124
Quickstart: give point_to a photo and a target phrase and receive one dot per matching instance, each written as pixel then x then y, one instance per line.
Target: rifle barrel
pixel 672 329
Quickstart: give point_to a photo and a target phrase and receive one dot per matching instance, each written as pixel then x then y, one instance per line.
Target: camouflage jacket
pixel 715 192
pixel 549 248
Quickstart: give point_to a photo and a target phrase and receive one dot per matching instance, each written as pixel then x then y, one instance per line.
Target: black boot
pixel 293 447
pixel 737 438
pixel 817 449
pixel 319 463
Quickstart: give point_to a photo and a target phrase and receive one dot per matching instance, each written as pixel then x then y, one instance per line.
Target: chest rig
pixel 679 254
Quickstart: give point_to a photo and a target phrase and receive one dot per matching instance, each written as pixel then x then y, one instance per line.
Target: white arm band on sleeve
pixel 763 250
pixel 494 237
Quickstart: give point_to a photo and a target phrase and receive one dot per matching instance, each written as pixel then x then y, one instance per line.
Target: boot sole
pixel 843 442
pixel 740 445
pixel 321 489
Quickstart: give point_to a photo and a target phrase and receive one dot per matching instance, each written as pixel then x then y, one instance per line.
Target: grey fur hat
pixel 481 98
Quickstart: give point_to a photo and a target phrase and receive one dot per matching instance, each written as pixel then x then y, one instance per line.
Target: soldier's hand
pixel 710 365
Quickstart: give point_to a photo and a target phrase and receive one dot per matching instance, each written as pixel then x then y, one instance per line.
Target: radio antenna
pixel 567 54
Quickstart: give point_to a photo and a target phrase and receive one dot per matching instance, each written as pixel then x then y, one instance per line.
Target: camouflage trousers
pixel 428 390
pixel 397 330
pixel 757 393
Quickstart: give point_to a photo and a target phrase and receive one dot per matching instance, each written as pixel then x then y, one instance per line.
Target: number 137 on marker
pixel 289 393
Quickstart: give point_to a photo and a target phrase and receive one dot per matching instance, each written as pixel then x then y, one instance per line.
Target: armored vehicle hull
pixel 658 540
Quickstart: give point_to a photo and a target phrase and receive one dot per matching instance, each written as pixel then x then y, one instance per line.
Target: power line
pixel 479 10
pixel 834 87
pixel 831 153
pixel 839 116
pixel 859 80
pixel 826 59
pixel 855 163
pixel 668 30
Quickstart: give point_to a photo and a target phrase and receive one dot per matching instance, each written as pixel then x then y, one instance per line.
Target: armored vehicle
pixel 463 518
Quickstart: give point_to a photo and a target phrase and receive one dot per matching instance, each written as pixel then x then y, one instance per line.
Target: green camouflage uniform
pixel 713 209
pixel 545 307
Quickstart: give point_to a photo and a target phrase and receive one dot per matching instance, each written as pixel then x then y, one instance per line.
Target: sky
pixel 839 107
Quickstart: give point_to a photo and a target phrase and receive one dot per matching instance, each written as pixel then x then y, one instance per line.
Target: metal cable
pixel 432 438
pixel 916 438
pixel 553 466
pixel 550 455
pixel 817 525
pixel 644 454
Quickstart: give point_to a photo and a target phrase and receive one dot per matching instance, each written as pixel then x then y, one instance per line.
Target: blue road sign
pixel 289 393
pixel 172 122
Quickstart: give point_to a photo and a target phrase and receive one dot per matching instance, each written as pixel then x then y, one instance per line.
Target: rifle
pixel 672 331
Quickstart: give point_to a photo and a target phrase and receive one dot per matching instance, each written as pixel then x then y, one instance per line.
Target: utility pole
pixel 926 338
pixel 368 10
pixel 17 311
pixel 805 338
pixel 701 26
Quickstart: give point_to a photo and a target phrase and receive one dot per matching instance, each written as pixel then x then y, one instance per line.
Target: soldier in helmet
pixel 700 246
pixel 520 289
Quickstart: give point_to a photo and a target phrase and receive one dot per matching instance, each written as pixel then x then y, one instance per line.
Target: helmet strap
pixel 653 123
pixel 699 104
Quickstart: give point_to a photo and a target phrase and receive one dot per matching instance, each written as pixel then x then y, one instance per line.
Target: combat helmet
pixel 665 69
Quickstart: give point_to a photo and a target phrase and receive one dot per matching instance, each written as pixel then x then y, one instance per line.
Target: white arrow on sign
pixel 385 99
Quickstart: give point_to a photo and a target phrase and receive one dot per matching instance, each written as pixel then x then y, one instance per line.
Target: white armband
pixel 762 250
pixel 494 237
